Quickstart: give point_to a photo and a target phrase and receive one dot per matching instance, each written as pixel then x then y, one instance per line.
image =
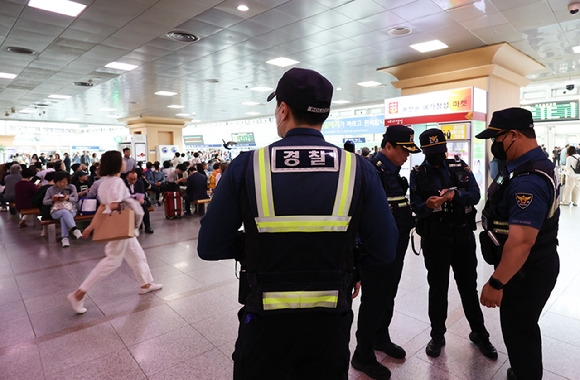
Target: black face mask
pixel 436 159
pixel 498 151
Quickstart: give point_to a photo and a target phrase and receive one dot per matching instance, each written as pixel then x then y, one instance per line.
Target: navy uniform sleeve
pixel 219 237
pixel 528 201
pixel 471 196
pixel 417 201
pixel 378 231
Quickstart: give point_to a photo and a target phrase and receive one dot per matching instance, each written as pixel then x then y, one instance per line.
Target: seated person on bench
pixel 137 190
pixel 196 188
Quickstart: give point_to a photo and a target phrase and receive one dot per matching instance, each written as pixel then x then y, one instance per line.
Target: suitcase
pixel 172 204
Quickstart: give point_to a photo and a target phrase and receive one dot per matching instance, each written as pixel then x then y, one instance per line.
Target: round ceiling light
pixel 19 50
pixel 400 31
pixel 177 35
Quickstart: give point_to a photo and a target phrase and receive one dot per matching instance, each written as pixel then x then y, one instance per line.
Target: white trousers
pixel 571 190
pixel 116 251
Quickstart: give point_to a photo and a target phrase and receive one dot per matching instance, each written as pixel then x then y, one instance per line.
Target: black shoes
pixel 484 345
pixel 148 230
pixel 371 368
pixel 433 348
pixel 391 349
pixel 511 375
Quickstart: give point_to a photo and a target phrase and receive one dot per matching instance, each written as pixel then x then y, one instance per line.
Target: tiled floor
pixel 188 329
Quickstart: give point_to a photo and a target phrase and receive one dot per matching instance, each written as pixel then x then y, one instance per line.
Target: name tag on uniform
pixel 304 159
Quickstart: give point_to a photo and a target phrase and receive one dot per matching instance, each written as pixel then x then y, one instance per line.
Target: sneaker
pixel 484 345
pixel 77 306
pixel 391 349
pixel 77 233
pixel 434 346
pixel 372 369
pixel 65 242
pixel 574 204
pixel 152 287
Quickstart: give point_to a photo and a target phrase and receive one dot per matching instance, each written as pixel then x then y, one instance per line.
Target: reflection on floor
pixel 188 329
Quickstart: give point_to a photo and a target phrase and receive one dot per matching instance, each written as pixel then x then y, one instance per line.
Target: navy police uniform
pixel 525 193
pixel 447 237
pixel 382 282
pixel 302 202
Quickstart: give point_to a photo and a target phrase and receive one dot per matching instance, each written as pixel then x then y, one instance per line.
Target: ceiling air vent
pixel 19 50
pixel 399 31
pixel 177 35
pixel 84 84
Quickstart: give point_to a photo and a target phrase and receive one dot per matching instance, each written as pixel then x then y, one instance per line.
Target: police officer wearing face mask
pixel 520 222
pixel 381 282
pixel 443 195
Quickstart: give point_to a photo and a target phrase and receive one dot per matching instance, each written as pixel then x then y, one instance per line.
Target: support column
pixel 159 131
pixel 499 69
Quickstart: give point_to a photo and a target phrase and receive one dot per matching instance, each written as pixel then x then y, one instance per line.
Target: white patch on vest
pixel 287 159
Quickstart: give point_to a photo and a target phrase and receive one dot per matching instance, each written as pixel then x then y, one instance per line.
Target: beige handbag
pixel 116 225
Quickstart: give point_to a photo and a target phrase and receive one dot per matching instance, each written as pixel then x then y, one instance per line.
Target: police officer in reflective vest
pixel 302 202
pixel 520 222
pixel 381 282
pixel 443 195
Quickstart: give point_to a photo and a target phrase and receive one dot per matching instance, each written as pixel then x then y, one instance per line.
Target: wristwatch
pixel 495 283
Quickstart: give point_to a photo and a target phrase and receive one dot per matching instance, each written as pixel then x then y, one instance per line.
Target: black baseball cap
pixel 433 141
pixel 401 135
pixel 506 119
pixel 304 90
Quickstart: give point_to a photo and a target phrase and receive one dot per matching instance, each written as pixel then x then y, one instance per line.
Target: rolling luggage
pixel 172 204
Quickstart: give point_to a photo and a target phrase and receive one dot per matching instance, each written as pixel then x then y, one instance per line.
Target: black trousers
pixel 309 345
pixel 379 289
pixel 524 297
pixel 456 249
pixel 146 217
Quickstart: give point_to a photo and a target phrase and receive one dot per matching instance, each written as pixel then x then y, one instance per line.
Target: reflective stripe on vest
pixel 267 221
pixel 300 300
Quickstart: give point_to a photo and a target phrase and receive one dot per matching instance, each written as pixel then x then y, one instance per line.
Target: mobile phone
pixel 37 182
pixel 448 190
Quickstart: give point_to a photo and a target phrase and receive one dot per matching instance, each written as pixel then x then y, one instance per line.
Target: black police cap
pixel 401 135
pixel 304 90
pixel 433 141
pixel 506 119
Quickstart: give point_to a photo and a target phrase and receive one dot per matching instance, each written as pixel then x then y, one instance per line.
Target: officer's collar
pixel 304 131
pixel 534 154
pixel 387 162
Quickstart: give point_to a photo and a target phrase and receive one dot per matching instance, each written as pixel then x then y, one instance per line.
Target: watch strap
pixel 495 283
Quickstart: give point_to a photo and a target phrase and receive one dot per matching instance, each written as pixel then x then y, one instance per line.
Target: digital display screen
pixel 243 138
pixel 551 111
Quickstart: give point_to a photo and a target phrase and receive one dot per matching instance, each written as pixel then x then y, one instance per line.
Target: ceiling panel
pixel 346 39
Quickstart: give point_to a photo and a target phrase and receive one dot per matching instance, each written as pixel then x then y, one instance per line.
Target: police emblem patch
pixel 433 139
pixel 523 200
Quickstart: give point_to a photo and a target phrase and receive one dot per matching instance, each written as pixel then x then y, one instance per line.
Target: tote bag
pixel 116 225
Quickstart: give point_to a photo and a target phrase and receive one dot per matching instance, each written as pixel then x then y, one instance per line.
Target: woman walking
pixel 111 193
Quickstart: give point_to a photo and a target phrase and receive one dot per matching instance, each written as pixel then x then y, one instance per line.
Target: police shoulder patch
pixel 523 200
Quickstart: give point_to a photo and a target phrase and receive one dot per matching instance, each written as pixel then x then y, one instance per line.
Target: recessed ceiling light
pixel 165 93
pixel 64 7
pixel 175 106
pixel 196 121
pixel 399 31
pixel 243 8
pixel 261 89
pixel 252 113
pixel 425 47
pixel 19 50
pixel 27 110
pixel 7 75
pixel 250 103
pixel 282 62
pixel 182 114
pixel 121 66
pixel 56 96
pixel 339 89
pixel 370 83
pixel 108 109
pixel 181 36
pixel 576 49
pixel 341 101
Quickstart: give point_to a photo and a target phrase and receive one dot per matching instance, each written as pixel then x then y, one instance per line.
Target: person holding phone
pixel 62 196
pixel 24 191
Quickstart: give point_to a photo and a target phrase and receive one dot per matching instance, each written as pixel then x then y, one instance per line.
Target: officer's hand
pixel 447 194
pixel 356 289
pixel 491 297
pixel 434 202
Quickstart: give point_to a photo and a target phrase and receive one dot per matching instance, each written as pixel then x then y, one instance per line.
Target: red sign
pixel 437 118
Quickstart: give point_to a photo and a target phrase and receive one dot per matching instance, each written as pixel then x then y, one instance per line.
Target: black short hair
pixel 166 164
pixel 49 176
pixel 216 166
pixel 191 169
pixel 74 167
pixel 177 154
pixel 529 133
pixel 59 176
pixel 308 118
pixel 111 163
pixel 149 164
pixel 126 149
pixel 182 167
pixel 28 173
pixel 199 168
pixel 570 150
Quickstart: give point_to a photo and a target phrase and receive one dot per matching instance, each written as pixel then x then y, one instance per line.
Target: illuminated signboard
pixel 454 131
pixel 243 138
pixel 193 140
pixel 354 125
pixel 551 111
